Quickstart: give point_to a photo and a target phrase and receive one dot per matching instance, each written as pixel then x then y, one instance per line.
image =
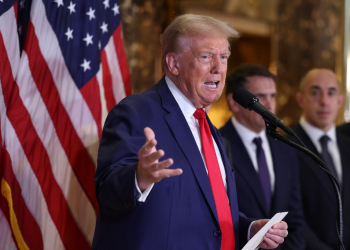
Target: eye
pixel 331 93
pixel 315 93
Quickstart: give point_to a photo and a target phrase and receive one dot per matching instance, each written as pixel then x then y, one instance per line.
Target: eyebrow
pixel 211 52
pixel 316 87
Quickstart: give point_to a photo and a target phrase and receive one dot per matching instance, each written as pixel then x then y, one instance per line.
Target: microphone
pixel 249 101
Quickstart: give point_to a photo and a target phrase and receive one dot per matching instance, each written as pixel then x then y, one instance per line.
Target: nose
pixel 269 103
pixel 218 66
pixel 324 99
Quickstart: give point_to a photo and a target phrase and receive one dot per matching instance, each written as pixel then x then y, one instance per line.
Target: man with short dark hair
pixel 320 98
pixel 266 170
pixel 186 200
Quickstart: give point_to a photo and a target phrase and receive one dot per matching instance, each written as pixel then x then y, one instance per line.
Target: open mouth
pixel 212 85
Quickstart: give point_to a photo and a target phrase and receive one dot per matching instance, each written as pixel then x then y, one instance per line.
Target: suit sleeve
pixel 118 158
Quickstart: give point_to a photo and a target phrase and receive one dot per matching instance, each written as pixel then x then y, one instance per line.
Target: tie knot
pixel 199 114
pixel 324 140
pixel 257 141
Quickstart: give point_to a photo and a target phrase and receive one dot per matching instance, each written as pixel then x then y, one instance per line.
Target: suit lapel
pixel 318 172
pixel 343 145
pixel 184 138
pixel 244 166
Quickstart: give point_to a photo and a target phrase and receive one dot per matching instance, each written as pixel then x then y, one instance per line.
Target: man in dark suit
pixel 320 99
pixel 188 199
pixel 265 185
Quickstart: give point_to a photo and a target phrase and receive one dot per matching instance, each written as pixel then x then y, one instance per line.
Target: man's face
pixel 264 89
pixel 202 69
pixel 321 98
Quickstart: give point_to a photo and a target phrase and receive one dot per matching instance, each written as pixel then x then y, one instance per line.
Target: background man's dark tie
pixel 263 171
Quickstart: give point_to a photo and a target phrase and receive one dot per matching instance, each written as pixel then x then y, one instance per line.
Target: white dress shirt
pixel 315 134
pixel 247 137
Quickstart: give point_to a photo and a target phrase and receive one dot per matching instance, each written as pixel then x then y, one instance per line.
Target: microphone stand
pixel 271 131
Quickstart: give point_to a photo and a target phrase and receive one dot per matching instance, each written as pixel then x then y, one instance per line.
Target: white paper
pixel 254 242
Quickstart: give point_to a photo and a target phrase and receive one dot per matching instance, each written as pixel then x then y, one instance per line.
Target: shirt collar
pixel 185 105
pixel 316 133
pixel 246 134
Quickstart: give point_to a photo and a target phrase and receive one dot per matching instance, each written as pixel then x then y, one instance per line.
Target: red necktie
pixel 217 184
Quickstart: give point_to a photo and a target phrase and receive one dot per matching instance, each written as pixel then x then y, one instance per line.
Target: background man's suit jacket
pixel 319 198
pixel 180 211
pixel 250 194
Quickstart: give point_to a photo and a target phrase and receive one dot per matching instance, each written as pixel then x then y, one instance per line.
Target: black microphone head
pixel 243 97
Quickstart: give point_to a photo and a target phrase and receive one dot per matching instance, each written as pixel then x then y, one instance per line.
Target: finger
pixel 152 158
pixel 280 225
pixel 278 232
pixel 149 134
pixel 166 173
pixel 268 243
pixel 273 240
pixel 148 147
pixel 161 165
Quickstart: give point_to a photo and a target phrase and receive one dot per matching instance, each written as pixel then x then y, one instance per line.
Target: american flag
pixel 62 68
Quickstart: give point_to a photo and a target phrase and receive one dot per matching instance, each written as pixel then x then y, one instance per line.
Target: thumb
pixel 149 134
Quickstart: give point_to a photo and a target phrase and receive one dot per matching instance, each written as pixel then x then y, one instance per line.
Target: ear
pixel 340 99
pixel 173 64
pixel 233 105
pixel 299 97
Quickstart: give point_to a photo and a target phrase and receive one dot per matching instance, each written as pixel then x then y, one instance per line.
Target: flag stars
pixel 88 39
pixel 86 65
pixel 71 8
pixel 104 27
pixel 106 3
pixel 59 2
pixel 20 30
pixel 91 13
pixel 69 34
pixel 21 4
pixel 116 9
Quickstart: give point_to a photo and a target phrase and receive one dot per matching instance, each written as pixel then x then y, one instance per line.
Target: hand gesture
pixel 149 169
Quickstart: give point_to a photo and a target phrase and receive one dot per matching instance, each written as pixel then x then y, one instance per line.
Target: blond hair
pixel 191 25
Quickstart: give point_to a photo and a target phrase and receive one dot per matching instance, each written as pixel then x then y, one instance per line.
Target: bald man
pixel 320 99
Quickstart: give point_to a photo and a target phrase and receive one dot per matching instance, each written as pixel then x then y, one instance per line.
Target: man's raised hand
pixel 149 169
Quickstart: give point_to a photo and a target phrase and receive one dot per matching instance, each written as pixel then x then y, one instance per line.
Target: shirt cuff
pixel 249 230
pixel 142 196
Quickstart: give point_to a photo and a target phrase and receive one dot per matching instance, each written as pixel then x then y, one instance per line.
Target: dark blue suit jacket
pixel 319 197
pixel 180 211
pixel 286 197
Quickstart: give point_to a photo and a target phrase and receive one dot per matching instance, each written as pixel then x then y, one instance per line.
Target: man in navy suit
pixel 265 185
pixel 320 99
pixel 152 182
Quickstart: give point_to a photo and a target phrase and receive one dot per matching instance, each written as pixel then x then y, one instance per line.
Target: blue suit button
pixel 217 233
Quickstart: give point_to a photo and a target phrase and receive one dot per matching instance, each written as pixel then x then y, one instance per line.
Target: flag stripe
pixel 6 240
pixel 79 158
pixel 33 237
pixel 123 63
pixel 114 68
pixel 61 168
pixel 107 81
pixel 91 94
pixel 70 96
pixel 31 189
pixel 38 158
pixel 31 192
